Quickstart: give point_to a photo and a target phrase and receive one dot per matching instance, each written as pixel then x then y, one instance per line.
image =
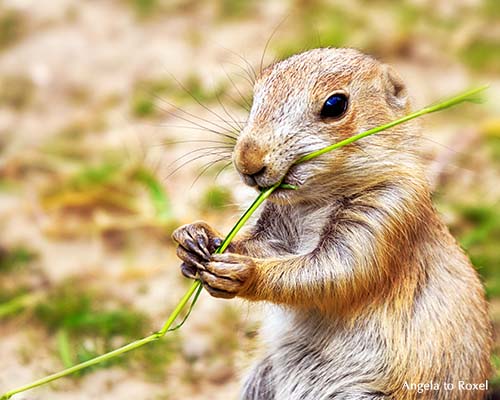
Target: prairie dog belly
pixel 313 358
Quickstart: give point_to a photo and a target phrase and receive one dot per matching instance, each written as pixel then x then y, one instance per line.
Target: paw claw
pixel 218 293
pixel 189 258
pixel 189 271
pixel 223 275
pixel 195 248
pixel 202 245
pixel 220 284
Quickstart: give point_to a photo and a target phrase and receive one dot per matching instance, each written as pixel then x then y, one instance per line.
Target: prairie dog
pixel 370 294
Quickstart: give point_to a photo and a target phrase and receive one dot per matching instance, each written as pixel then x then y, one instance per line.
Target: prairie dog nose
pixel 249 157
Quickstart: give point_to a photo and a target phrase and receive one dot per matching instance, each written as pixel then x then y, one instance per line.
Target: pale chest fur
pixel 316 358
pixel 297 230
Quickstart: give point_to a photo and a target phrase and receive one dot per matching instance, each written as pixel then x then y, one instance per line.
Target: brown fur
pixel 371 289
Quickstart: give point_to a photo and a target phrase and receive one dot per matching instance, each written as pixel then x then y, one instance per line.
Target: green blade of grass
pixel 468 96
pixel 227 240
pixel 64 348
pixel 112 354
pixel 157 194
pixel 18 303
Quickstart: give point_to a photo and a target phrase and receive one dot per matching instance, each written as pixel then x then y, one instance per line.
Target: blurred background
pixel 109 139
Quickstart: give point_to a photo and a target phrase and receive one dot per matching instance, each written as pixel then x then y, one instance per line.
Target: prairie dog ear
pixel 395 88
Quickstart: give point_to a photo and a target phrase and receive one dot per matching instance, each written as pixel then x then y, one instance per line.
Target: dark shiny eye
pixel 335 106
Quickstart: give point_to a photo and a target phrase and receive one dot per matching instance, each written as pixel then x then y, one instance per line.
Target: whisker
pixel 196 128
pixel 236 102
pixel 238 124
pixel 197 124
pixel 269 41
pixel 243 76
pixel 251 73
pixel 318 37
pixel 202 104
pixel 227 139
pixel 194 159
pixel 172 142
pixel 227 135
pixel 159 98
pixel 222 169
pixel 207 167
pixel 237 89
pixel 210 149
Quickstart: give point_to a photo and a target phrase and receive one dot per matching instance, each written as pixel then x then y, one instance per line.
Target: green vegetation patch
pixel 319 24
pixel 15 258
pixel 216 198
pixel 16 91
pixel 76 129
pixel 492 133
pixel 149 97
pixel 478 230
pixel 13 27
pixel 483 54
pixel 145 8
pixel 146 97
pixel 157 194
pixel 495 362
pixel 85 323
pixel 236 8
pixel 81 313
pixel 13 300
pixel 491 9
pixel 194 88
pixel 109 184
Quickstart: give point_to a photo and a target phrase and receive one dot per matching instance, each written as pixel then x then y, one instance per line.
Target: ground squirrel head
pixel 309 101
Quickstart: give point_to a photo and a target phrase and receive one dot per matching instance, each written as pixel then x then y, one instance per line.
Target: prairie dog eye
pixel 335 106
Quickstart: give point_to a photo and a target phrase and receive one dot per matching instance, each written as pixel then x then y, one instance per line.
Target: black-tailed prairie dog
pixel 370 296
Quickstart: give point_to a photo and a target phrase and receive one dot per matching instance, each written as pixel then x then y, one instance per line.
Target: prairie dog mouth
pixel 290 177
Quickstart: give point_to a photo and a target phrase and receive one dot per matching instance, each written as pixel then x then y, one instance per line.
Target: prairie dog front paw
pixel 197 242
pixel 227 275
